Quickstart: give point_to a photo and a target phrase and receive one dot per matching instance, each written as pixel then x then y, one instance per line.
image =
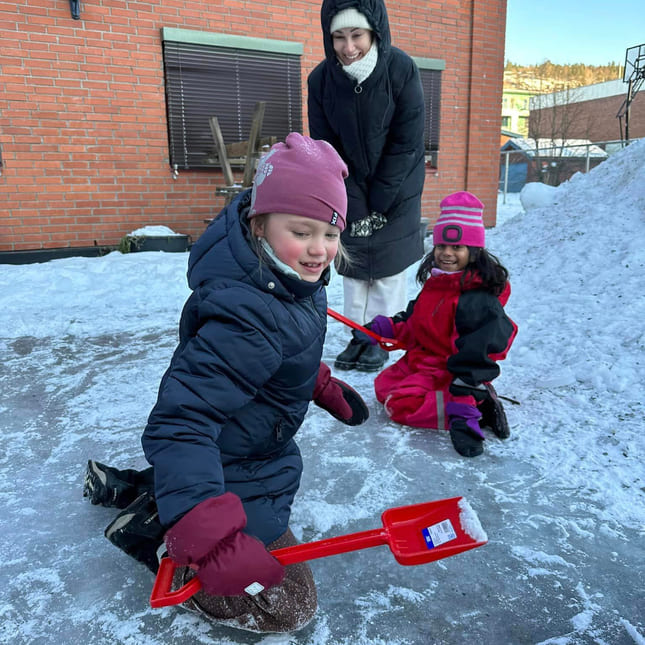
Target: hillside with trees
pixel 549 77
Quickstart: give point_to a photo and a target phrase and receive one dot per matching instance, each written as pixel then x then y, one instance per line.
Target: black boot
pixel 110 486
pixel 493 414
pixel 348 358
pixel 371 359
pixel 138 531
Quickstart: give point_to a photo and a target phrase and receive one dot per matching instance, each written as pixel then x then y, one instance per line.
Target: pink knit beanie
pixel 301 176
pixel 461 221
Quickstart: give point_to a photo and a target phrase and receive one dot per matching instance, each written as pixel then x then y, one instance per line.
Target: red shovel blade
pixel 388 344
pixel 416 534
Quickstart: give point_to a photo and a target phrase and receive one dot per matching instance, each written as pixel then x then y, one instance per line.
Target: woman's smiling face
pixel 351 44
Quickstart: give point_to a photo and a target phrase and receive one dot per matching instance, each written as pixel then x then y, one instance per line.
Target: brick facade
pixel 594 118
pixel 83 132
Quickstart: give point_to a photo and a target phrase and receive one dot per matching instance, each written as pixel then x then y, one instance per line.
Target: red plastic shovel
pixel 416 534
pixel 388 344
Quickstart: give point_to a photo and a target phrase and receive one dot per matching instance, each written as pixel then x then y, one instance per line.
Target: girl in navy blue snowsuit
pixel 225 466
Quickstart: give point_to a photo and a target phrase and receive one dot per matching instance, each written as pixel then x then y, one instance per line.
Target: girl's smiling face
pixel 451 257
pixel 306 245
pixel 351 44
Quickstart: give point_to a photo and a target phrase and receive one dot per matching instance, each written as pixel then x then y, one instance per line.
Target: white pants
pixel 363 300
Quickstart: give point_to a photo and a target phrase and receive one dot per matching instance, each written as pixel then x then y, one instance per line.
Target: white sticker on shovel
pixel 439 534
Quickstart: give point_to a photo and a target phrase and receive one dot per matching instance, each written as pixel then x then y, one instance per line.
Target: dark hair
pixel 481 263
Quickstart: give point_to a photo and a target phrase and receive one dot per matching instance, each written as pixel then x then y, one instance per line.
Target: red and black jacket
pixel 461 328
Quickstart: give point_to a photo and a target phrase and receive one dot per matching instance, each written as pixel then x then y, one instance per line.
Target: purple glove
pixel 381 325
pixel 469 414
pixel 209 538
pixel 465 433
pixel 339 399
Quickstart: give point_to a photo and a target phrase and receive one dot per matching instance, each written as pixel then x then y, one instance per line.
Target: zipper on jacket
pixel 278 430
pixel 311 306
pixel 358 90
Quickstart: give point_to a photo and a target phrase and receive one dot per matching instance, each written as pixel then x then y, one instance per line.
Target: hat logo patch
pixel 265 168
pixel 451 233
pixel 334 218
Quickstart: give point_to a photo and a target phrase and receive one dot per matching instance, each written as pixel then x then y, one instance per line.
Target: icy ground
pixel 83 344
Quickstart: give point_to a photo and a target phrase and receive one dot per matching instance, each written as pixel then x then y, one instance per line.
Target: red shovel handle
pixel 388 344
pixel 416 534
pixel 162 596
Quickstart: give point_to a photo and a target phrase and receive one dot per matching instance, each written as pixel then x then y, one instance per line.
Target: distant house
pixel 105 114
pixel 515 110
pixel 591 112
pixel 506 135
pixel 550 161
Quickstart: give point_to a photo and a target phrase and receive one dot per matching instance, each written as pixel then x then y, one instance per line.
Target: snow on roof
pixel 570 95
pixel 556 147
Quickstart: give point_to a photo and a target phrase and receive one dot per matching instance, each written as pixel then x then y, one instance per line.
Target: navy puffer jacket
pixel 377 128
pixel 239 382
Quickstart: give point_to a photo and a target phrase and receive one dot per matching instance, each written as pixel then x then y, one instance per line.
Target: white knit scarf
pixel 361 69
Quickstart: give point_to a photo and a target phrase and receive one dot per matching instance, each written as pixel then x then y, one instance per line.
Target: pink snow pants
pixel 417 397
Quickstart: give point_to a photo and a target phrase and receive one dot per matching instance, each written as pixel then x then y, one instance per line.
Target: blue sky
pixel 594 32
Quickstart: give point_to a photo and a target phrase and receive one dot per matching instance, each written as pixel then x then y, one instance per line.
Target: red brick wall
pixel 596 119
pixel 83 123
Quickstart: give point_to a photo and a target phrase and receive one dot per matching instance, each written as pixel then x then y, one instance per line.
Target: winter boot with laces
pixel 112 487
pixel 493 414
pixel 138 532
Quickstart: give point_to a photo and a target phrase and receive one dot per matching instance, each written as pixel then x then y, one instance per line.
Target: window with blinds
pixel 204 80
pixel 431 82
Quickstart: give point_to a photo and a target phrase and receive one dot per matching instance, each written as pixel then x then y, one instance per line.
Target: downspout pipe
pixel 75 9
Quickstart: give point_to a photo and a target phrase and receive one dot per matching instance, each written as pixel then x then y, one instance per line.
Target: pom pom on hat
pixel 349 18
pixel 461 221
pixel 301 176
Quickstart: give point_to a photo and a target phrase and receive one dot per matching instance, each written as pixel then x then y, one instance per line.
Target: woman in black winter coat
pixel 366 99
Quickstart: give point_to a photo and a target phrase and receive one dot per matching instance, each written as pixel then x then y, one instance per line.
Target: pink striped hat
pixel 461 221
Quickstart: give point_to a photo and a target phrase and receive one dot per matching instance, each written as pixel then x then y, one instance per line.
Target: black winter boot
pixel 138 531
pixel 372 359
pixel 348 358
pixel 493 414
pixel 109 486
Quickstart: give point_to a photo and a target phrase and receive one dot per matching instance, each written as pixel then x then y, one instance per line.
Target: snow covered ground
pixel 84 342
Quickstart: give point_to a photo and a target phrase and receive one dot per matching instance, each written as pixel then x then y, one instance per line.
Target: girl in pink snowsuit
pixel 454 333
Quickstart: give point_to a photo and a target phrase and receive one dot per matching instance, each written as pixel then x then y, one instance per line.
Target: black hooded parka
pixel 377 128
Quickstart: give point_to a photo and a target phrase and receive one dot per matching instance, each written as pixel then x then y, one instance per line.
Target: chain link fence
pixel 550 161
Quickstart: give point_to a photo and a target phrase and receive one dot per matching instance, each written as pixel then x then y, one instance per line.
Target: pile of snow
pixel 85 341
pixel 153 231
pixel 470 522
pixel 537 195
